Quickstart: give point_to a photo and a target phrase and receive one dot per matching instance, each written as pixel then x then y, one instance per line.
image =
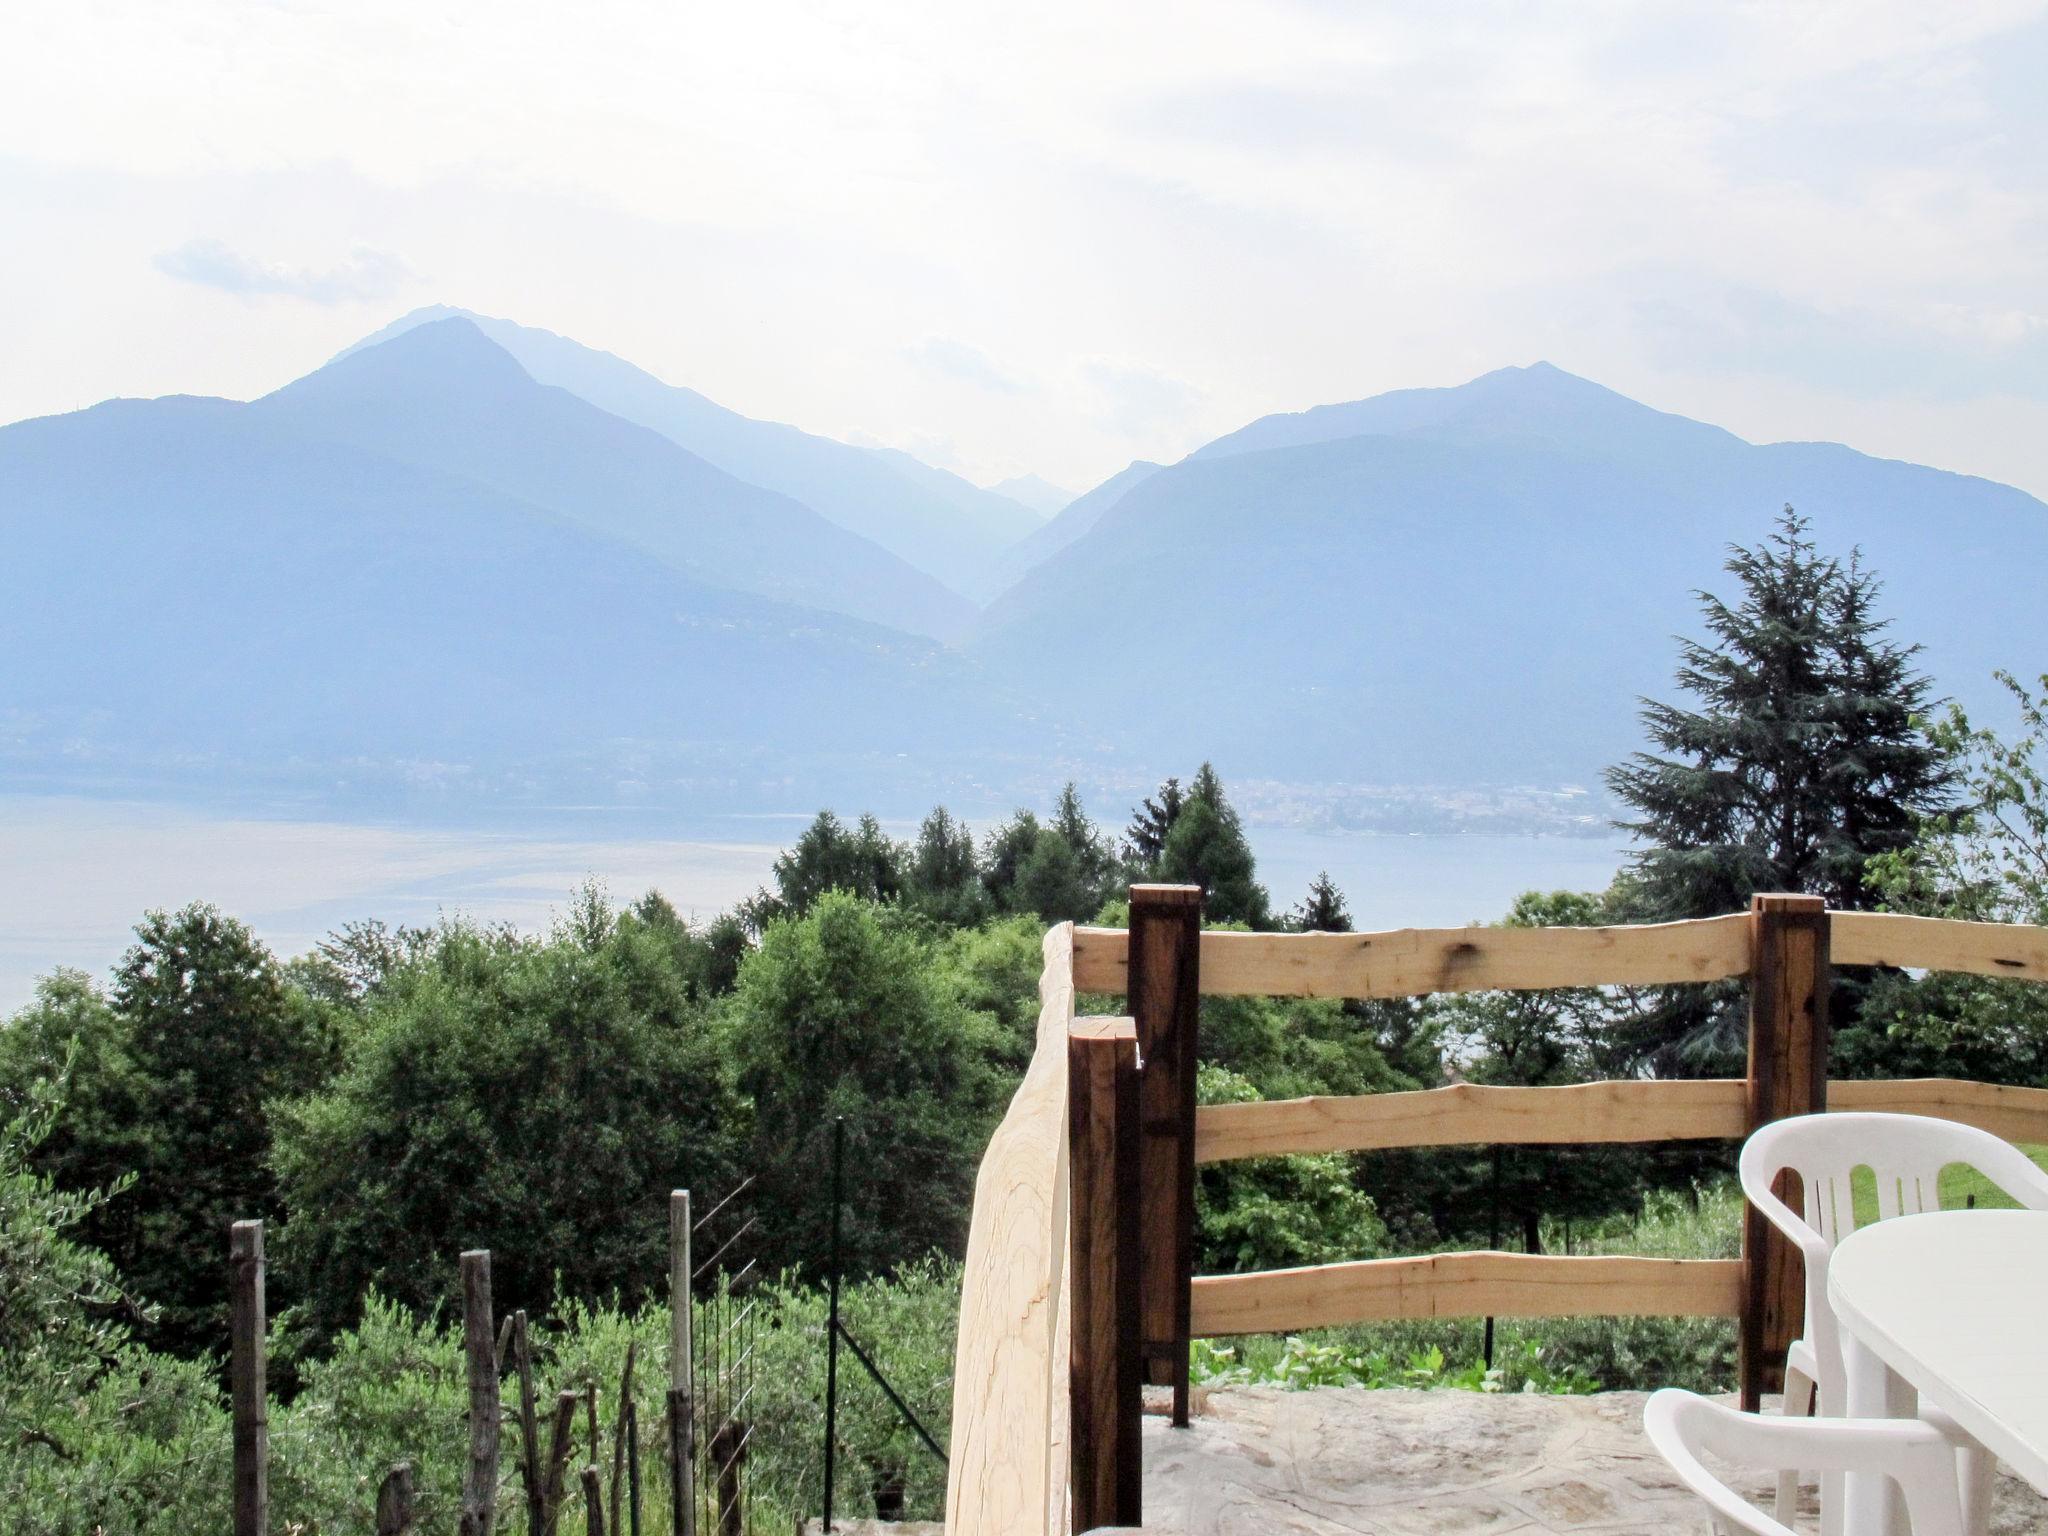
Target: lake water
pixel 76 874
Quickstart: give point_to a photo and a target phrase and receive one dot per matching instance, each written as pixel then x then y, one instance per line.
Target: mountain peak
pixel 449 357
pixel 1537 402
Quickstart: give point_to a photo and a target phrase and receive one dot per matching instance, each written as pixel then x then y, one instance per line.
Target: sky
pixel 1054 238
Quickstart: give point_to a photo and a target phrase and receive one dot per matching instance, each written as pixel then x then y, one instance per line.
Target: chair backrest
pixel 1919 1458
pixel 1905 1153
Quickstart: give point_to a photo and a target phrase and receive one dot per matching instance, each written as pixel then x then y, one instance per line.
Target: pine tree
pixel 1145 838
pixel 1322 910
pixel 941 877
pixel 1094 858
pixel 1207 847
pixel 1803 757
pixel 1801 760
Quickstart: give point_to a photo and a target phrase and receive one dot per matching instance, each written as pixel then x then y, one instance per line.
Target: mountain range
pixel 471 563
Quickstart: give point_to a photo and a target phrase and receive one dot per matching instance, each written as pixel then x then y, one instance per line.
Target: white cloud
pixel 365 276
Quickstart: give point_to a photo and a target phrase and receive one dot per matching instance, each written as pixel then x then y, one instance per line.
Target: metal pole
pixel 832 1325
pixel 682 1429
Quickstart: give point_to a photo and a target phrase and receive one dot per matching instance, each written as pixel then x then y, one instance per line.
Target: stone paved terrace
pixel 1260 1461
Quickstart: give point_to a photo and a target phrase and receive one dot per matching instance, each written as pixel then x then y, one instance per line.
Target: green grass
pixel 1961 1187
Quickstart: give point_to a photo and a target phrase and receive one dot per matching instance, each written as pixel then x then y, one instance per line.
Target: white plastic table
pixel 1952 1305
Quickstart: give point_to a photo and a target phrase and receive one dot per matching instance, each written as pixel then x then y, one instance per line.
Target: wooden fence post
pixel 246 1329
pixel 1788 1075
pixel 1165 1002
pixel 479 1346
pixel 1103 1374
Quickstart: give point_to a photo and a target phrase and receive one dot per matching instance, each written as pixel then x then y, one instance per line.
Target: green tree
pixel 536 1097
pixel 1207 847
pixel 941 877
pixel 1803 758
pixel 1145 838
pixel 1004 854
pixel 838 1013
pixel 100 1434
pixel 1322 910
pixel 173 1076
pixel 1986 861
pixel 1274 1213
pixel 1801 761
pixel 829 857
pixel 1094 854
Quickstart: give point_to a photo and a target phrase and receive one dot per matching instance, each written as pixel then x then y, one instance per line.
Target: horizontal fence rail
pixel 2012 1114
pixel 1409 962
pixel 1579 1114
pixel 1938 944
pixel 1440 1285
pixel 1472 1113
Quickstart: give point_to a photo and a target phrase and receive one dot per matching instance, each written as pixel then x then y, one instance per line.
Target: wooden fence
pixel 1061 1318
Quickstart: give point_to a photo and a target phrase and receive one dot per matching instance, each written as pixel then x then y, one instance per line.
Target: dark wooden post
pixel 729 1457
pixel 246 1328
pixel 394 1502
pixel 1788 1075
pixel 1103 1377
pixel 479 1347
pixel 1165 1001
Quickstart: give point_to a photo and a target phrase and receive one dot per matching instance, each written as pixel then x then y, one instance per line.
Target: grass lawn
pixel 1960 1187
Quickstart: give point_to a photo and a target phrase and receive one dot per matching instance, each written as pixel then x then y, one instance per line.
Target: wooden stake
pixel 621 1431
pixel 560 1434
pixel 246 1369
pixel 1788 1075
pixel 1105 1364
pixel 529 1429
pixel 593 1503
pixel 1165 1001
pixel 480 1484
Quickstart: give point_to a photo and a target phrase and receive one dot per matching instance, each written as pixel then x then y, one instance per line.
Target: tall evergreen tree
pixel 1145 838
pixel 830 857
pixel 1207 847
pixel 941 878
pixel 1322 910
pixel 1801 757
pixel 1094 856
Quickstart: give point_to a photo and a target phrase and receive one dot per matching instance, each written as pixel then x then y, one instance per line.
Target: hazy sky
pixel 1054 237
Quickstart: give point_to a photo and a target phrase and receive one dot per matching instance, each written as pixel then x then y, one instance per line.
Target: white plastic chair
pixel 1918 1457
pixel 1905 1154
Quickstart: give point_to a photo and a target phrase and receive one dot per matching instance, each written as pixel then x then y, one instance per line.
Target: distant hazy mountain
pixel 1034 492
pixel 1473 584
pixel 200 595
pixel 1079 515
pixel 444 396
pixel 935 521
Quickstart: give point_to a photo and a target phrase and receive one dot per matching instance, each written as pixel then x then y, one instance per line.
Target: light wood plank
pixel 1410 962
pixel 2014 1114
pixel 1008 1470
pixel 1473 1114
pixel 1939 944
pixel 1465 1285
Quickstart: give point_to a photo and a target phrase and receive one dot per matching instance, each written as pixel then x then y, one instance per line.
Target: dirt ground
pixel 1258 1461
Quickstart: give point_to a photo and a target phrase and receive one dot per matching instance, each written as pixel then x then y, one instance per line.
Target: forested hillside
pixel 398 1095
